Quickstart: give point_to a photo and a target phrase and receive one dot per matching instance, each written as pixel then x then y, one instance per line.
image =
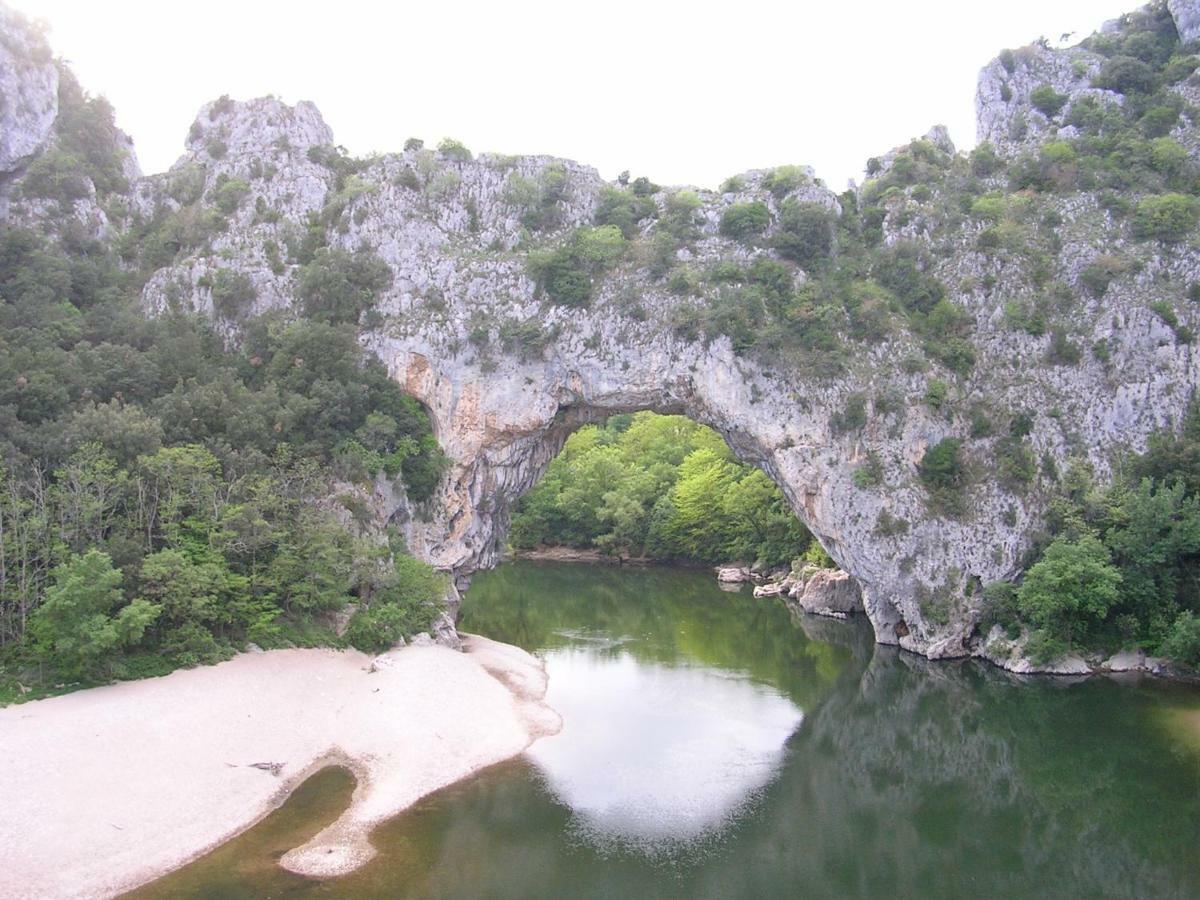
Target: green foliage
pixel 1125 75
pixel 660 486
pixel 567 274
pixel 805 233
pixel 743 221
pixel 1047 101
pixel 228 194
pixel 455 150
pixel 83 618
pixel 1098 274
pixel 852 416
pixel 1145 528
pixel 1071 588
pixel 55 175
pixel 404 602
pixel 88 134
pixel 192 466
pixel 338 287
pixel 1182 644
pixel 1168 218
pixel 233 293
pixel 783 180
pixel 942 472
pixel 623 209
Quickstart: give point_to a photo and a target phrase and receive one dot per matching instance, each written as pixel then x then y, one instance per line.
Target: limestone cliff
pixel 506 372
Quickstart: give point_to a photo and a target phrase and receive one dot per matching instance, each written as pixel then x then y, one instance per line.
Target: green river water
pixel 715 746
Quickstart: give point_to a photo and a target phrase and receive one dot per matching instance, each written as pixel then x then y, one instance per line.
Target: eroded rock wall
pixel 454 234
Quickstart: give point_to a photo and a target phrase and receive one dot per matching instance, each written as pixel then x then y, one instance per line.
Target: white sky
pixel 685 93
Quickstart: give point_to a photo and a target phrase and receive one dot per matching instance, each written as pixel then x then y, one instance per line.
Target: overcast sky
pixel 686 93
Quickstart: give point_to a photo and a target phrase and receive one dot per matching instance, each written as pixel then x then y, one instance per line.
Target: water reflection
pixel 652 757
pixel 904 779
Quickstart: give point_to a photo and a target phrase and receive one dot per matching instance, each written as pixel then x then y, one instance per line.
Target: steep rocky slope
pixel 510 347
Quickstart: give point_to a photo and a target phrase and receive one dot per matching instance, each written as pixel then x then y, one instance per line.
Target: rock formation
pixel 506 373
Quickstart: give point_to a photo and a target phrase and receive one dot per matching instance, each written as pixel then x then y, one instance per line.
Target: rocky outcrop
pixel 1006 115
pixel 1186 14
pixel 822 592
pixel 506 375
pixel 28 92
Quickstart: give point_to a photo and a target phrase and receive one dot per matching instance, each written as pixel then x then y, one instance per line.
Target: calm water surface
pixel 715 747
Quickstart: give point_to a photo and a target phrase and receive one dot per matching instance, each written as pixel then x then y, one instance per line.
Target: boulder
pixel 733 574
pixel 826 592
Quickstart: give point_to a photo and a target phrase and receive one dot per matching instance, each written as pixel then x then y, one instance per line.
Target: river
pixel 715 746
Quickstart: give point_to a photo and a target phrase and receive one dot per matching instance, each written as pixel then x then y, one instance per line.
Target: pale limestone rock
pixel 1186 14
pixel 1010 654
pixel 1126 661
pixel 1012 124
pixel 28 92
pixel 733 574
pixel 825 592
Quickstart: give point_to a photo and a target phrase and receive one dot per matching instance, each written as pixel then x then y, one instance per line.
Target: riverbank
pixel 108 788
pixel 577 555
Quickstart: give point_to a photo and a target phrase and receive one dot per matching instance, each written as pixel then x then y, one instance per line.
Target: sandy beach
pixel 108 788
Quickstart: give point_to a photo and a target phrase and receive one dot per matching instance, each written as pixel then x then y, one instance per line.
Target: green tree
pixel 1071 588
pixel 82 620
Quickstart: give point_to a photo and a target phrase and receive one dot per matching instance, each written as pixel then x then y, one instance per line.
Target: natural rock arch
pixel 454 233
pixel 503 431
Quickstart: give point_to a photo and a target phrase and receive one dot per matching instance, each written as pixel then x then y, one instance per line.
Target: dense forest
pixel 662 487
pixel 166 498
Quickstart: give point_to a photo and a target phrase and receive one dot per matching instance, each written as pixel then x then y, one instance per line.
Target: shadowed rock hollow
pixel 507 371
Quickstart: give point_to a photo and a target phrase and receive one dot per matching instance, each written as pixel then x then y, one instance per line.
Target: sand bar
pixel 108 788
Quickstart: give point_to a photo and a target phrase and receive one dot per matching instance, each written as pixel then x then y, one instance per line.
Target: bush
pixel 566 274
pixel 742 221
pixel 1100 272
pixel 869 474
pixel 852 417
pixel 783 180
pixel 455 150
pixel 805 232
pixel 624 209
pixel 232 293
pixel 339 287
pixel 228 194
pixel 1182 643
pixel 55 175
pixel 985 161
pixel 899 269
pixel 1047 101
pixel 1167 217
pixel 936 394
pixel 1125 75
pixel 941 468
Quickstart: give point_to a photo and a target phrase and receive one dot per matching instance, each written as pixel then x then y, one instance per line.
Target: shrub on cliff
pixel 233 293
pixel 1047 100
pixel 566 274
pixel 742 221
pixel 943 474
pixel 1125 75
pixel 805 232
pixel 1168 217
pixel 338 286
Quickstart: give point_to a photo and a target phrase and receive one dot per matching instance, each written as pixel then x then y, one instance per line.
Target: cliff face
pixel 29 88
pixel 507 374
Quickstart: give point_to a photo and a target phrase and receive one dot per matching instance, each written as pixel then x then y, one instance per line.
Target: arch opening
pixel 658 486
